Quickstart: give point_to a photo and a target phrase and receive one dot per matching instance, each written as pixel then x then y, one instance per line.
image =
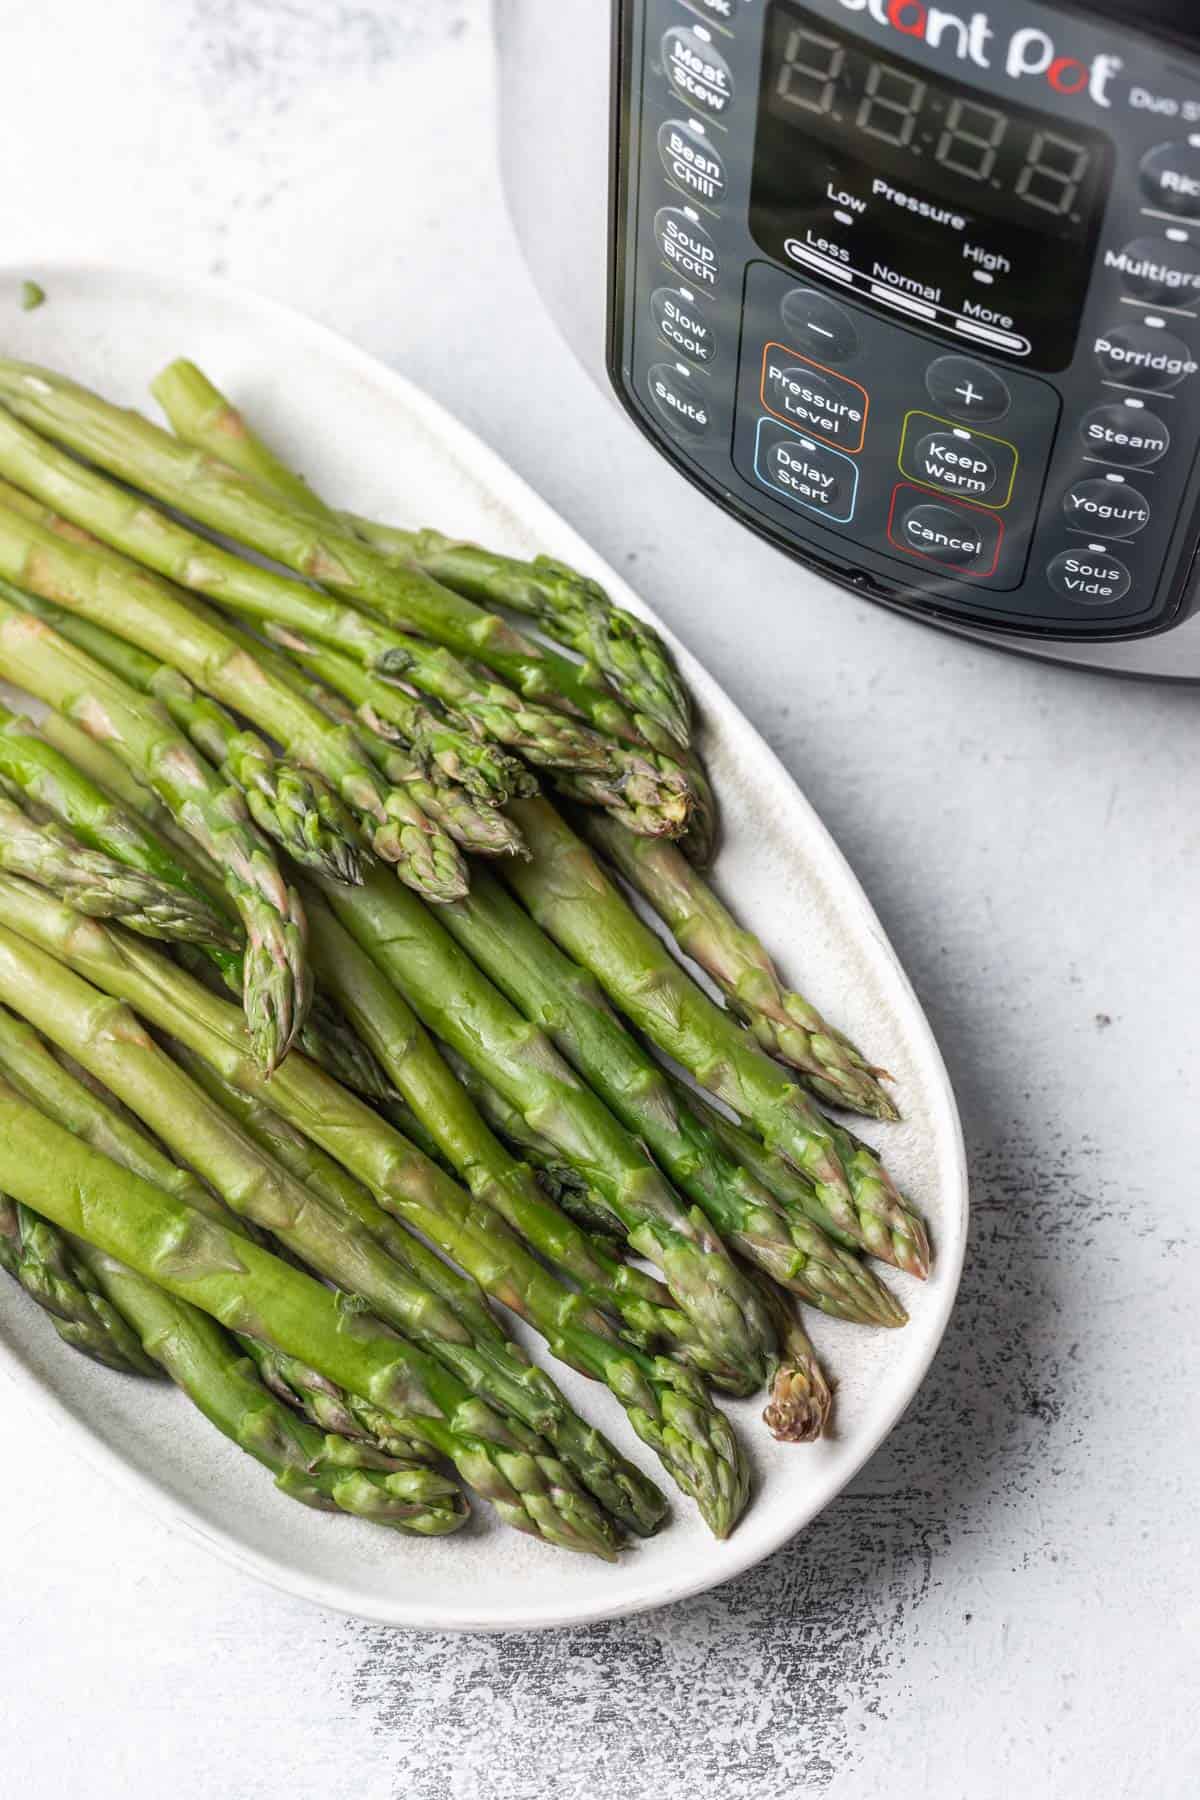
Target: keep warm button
pixel 969 464
pixel 806 473
pixel 813 399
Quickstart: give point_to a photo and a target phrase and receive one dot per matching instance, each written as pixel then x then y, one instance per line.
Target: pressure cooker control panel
pixel 916 293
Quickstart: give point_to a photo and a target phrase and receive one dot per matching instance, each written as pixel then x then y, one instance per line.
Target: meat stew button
pixel 698 73
pixel 1129 436
pixel 1108 509
pixel 1089 577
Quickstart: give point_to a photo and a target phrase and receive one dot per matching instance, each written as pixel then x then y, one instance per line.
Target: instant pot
pixel 912 291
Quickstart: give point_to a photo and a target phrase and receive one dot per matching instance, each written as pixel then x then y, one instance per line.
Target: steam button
pixel 696 70
pixel 966 389
pixel 1170 177
pixel 1128 436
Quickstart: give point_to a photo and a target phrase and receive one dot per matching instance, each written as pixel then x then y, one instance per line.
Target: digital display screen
pixel 878 173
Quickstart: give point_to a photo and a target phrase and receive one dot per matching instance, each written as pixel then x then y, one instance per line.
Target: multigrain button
pixel 681 397
pixel 1156 268
pixel 966 389
pixel 1170 177
pixel 1143 356
pixel 814 400
pixel 686 245
pixel 818 325
pixel 698 73
pixel 690 160
pixel 1109 509
pixel 683 323
pixel 1089 577
pixel 1126 435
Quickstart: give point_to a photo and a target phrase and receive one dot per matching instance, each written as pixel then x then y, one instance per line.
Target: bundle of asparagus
pixel 452 1087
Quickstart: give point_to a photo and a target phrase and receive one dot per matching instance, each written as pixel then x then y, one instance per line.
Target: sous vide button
pixel 1088 577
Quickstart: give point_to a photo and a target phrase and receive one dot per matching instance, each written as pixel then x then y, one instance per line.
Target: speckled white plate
pixel 366 437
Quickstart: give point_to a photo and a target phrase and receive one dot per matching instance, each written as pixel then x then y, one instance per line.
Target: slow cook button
pixel 1154 268
pixel 1170 176
pixel 683 324
pixel 814 400
pixel 690 160
pixel 1143 356
pixel 942 532
pixel 824 328
pixel 681 398
pixel 686 245
pixel 822 481
pixel 1129 436
pixel 698 73
pixel 1089 577
pixel 1109 509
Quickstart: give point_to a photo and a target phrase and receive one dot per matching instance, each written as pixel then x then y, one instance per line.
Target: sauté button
pixel 1144 356
pixel 691 161
pixel 967 389
pixel 686 245
pixel 1170 177
pixel 1110 509
pixel 818 325
pixel 808 474
pixel 1129 436
pixel 698 72
pixel 1089 577
pixel 1153 268
pixel 681 398
pixel 683 324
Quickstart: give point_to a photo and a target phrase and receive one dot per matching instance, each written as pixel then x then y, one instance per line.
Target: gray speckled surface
pixel 1005 1601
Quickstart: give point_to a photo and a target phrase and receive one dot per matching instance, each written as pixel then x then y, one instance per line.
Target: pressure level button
pixel 686 245
pixel 819 326
pixel 683 323
pixel 1089 577
pixel 966 389
pixel 1129 436
pixel 682 399
pixel 1108 509
pixel 1170 177
pixel 696 70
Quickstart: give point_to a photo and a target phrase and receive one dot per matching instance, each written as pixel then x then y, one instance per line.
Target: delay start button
pixel 686 245
pixel 1108 509
pixel 1089 577
pixel 698 73
pixel 683 323
pixel 806 473
pixel 681 397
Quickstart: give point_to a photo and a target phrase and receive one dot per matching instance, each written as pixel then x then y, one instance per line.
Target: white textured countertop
pixel 1005 1602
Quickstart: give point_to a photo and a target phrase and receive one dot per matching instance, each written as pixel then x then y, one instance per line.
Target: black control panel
pixel 916 293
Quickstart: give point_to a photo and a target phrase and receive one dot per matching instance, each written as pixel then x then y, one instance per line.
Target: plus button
pixel 962 388
pixel 968 393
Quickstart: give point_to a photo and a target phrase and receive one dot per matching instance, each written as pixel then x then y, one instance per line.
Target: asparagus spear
pixel 554 993
pixel 104 1036
pixel 94 883
pixel 37 1256
pixel 572 899
pixel 322 1470
pixel 289 804
pixel 330 1039
pixel 249 1290
pixel 566 604
pixel 89 500
pixel 103 587
pixel 666 1405
pixel 799 1401
pixel 276 981
pixel 641 1304
pixel 454 999
pixel 52 782
pixel 784 1023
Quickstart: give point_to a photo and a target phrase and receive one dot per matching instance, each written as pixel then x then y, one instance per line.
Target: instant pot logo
pixel 1030 53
